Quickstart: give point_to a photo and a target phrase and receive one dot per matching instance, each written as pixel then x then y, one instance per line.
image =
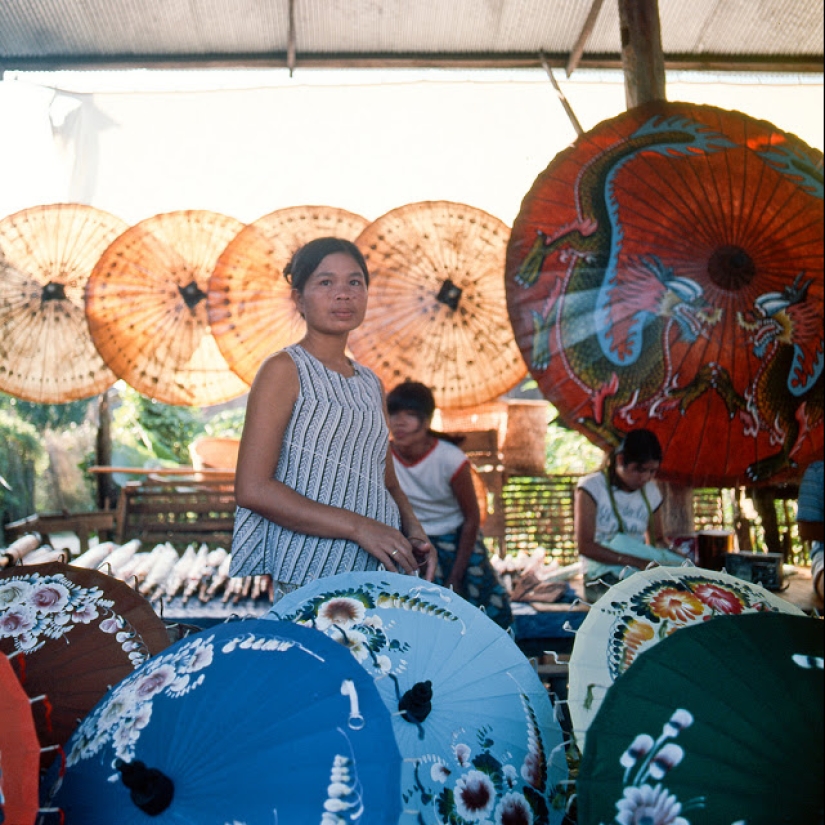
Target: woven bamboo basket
pixel 524 444
pixel 489 416
pixel 214 453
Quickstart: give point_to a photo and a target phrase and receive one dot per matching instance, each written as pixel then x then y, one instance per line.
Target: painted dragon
pixel 614 327
pixel 785 398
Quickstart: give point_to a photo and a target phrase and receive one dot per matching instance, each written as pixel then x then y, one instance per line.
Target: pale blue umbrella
pixel 475 726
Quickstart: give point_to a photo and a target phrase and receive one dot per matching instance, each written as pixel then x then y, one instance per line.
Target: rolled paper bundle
pixel 94 555
pixel 20 548
pixel 44 554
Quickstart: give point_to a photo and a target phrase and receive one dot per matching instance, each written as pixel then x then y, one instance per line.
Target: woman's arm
pixel 464 491
pixel 658 538
pixel 269 408
pixel 584 512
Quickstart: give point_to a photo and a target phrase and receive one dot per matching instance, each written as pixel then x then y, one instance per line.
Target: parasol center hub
pixel 192 294
pixel 415 705
pixel 149 789
pixel 54 291
pixel 449 294
pixel 731 268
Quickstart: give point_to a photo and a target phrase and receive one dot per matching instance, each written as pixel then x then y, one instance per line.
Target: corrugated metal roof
pixel 733 34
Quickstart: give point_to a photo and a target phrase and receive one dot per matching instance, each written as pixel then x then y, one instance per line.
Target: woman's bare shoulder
pixel 277 374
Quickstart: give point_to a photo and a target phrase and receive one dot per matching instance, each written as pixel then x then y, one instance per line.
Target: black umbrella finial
pixel 53 291
pixel 192 294
pixel 449 294
pixel 415 705
pixel 150 790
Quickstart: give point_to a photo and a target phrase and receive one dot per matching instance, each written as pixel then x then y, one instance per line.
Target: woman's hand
pixel 425 556
pixel 386 544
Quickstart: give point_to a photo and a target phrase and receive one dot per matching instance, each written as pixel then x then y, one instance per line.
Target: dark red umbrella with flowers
pixel 75 633
pixel 666 271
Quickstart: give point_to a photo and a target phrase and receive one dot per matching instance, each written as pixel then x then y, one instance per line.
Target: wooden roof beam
pixel 584 36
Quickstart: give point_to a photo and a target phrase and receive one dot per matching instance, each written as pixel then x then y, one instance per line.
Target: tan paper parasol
pixel 47 254
pixel 146 306
pixel 250 309
pixel 437 308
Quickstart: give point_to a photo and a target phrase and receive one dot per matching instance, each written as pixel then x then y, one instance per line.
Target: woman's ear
pixel 298 300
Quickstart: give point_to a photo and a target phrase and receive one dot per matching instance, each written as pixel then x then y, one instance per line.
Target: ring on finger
pixel 394 553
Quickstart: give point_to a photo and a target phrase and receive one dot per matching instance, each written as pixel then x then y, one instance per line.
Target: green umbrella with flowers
pixel 719 723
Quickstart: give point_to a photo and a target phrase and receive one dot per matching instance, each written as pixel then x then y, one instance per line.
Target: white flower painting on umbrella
pixel 36 608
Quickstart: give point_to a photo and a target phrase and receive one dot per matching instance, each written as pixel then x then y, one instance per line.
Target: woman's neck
pixel 330 351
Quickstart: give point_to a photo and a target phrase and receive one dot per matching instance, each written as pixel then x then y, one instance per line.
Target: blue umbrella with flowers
pixel 473 722
pixel 248 722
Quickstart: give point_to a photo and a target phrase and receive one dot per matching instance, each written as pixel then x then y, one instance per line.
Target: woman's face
pixel 633 475
pixel 334 298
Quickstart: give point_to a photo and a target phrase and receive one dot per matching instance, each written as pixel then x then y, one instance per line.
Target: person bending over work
pixel 437 478
pixel 620 498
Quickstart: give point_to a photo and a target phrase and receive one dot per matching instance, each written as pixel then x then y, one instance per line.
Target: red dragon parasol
pixel 666 271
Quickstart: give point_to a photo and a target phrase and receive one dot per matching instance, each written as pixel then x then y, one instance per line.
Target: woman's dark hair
pixel 637 447
pixel 307 259
pixel 411 396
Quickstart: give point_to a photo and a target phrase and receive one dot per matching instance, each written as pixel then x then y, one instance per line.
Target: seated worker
pixel 620 498
pixel 435 476
pixel 809 517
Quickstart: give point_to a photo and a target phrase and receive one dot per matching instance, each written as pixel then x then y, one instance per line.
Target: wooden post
pixel 106 488
pixel 642 57
pixel 677 509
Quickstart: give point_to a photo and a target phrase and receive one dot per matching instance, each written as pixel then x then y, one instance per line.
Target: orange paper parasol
pixel 250 306
pixel 437 308
pixel 19 750
pixel 47 254
pixel 146 305
pixel 666 271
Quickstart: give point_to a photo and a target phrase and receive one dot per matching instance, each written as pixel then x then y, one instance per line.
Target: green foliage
pixel 569 452
pixel 47 416
pixel 152 430
pixel 226 424
pixel 22 458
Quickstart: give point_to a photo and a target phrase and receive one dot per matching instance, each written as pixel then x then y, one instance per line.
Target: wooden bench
pixel 180 512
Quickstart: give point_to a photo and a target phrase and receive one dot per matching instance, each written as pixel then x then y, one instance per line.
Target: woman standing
pixel 436 476
pixel 621 498
pixel 316 492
